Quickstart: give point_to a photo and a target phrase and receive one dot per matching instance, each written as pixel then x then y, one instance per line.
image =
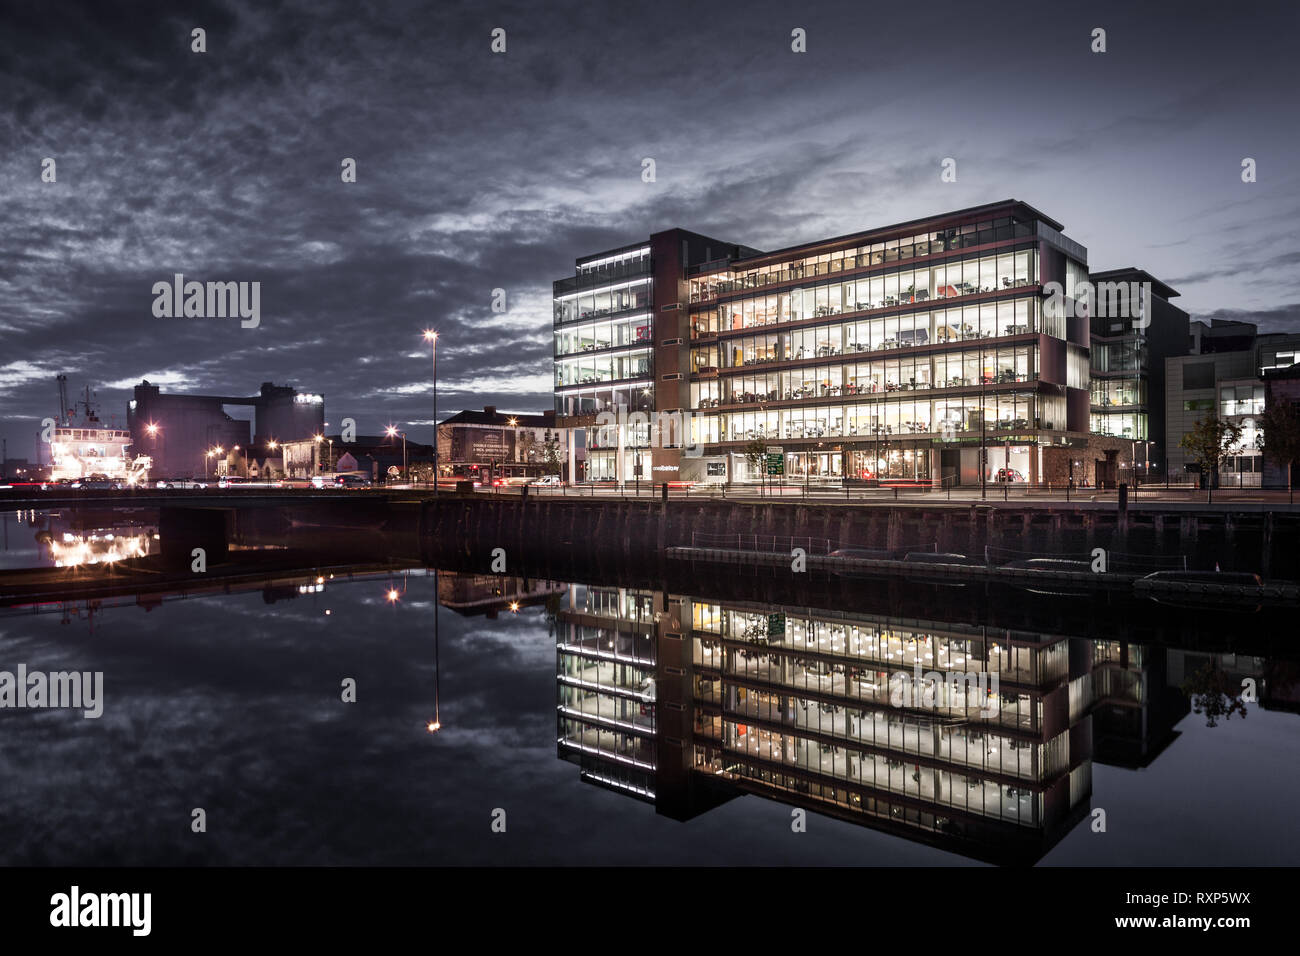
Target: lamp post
pixel 431 337
pixel 152 430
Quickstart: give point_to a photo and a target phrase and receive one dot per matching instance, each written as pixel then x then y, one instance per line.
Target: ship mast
pixel 63 399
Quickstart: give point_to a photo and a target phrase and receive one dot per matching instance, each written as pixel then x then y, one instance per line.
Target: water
pixel 232 703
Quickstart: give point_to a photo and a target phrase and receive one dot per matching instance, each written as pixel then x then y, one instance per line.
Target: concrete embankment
pixel 622 532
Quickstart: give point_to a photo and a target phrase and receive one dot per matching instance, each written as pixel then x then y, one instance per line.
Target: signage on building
pixel 482 444
pixel 776 463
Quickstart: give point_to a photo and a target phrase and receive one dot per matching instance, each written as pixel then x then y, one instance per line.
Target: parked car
pixel 1009 474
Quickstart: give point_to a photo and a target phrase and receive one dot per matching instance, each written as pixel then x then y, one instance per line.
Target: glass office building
pixel 925 351
pixel 1128 391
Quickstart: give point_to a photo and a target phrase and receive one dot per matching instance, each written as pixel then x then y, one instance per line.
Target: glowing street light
pixel 392 432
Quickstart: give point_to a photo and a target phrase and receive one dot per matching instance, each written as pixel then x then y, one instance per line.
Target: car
pixel 1009 474
pixel 352 481
pixel 548 481
pixel 101 483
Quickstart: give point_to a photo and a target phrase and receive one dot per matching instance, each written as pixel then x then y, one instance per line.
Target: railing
pixel 1114 560
pixel 766 543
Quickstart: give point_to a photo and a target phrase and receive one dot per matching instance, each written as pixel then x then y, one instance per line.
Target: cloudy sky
pixel 478 170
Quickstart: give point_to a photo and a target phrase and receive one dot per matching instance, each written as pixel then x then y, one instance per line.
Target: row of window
pixel 892 250
pixel 961 745
pixel 887 291
pixel 1009 414
pixel 973 322
pixel 588 336
pixel 939 786
pixel 604 302
pixel 954 370
pixel 592 369
pixel 1118 391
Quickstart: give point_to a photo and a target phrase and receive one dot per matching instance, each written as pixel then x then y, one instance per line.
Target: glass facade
pixel 957 730
pixel 605 675
pixel 905 343
pixel 812 705
pixel 603 333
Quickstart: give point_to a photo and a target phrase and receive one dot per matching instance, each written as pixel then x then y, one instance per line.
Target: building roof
pixel 886 232
pixel 490 416
pixel 1132 273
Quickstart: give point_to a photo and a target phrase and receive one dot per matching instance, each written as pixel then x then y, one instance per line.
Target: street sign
pixel 775 463
pixel 776 625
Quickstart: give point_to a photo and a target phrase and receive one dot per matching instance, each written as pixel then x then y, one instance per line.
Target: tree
pixel 756 456
pixel 1279 437
pixel 551 456
pixel 1214 694
pixel 1211 440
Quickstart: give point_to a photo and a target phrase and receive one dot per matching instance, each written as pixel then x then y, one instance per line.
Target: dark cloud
pixel 479 171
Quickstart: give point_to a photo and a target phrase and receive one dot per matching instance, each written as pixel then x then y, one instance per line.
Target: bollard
pixel 665 494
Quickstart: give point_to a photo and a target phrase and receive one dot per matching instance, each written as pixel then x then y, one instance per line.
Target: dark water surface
pixel 231 703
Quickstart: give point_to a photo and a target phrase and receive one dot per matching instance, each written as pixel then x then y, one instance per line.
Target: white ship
pixel 84 447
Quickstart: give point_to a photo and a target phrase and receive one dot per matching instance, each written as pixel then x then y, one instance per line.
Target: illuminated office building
pixel 923 351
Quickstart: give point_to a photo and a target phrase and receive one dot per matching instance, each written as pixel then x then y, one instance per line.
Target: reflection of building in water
pixel 70 550
pixel 605 640
pixel 686 702
pixel 1136 706
pixel 70 540
pixel 473 594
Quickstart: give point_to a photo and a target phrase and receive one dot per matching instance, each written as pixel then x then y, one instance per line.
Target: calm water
pixel 232 703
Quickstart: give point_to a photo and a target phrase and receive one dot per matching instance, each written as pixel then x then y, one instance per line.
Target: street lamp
pixel 431 337
pixel 392 431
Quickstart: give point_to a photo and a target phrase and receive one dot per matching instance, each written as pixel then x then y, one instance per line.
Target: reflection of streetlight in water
pixel 435 725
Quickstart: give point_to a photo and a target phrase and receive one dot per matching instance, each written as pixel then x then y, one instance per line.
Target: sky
pixel 478 170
